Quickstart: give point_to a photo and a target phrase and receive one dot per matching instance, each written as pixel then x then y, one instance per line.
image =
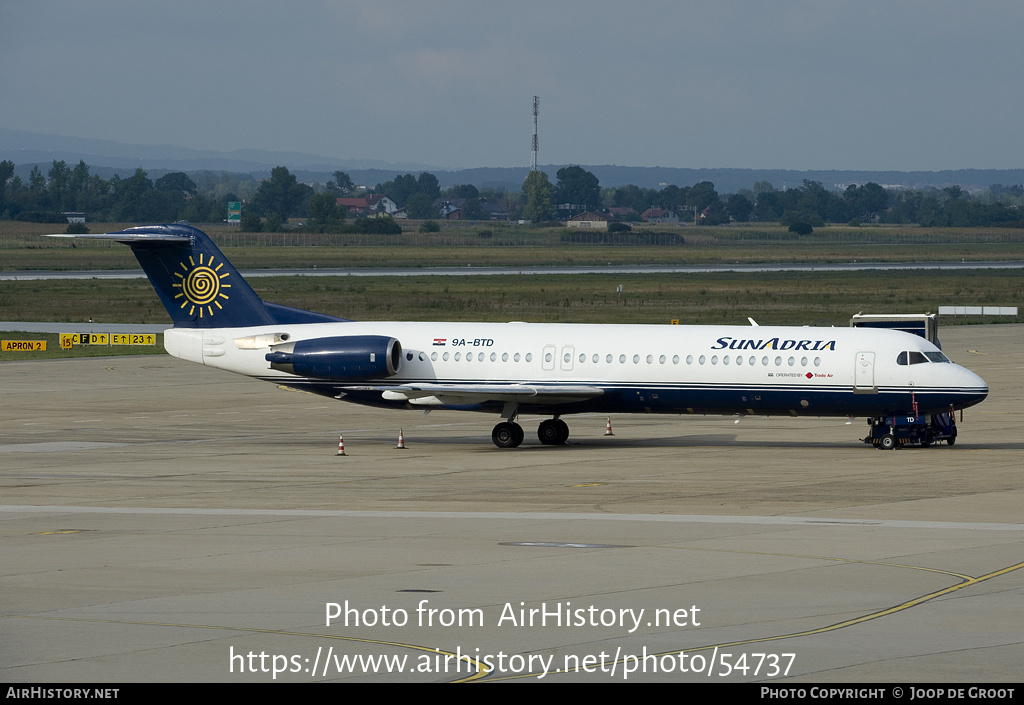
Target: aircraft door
pixel 864 374
pixel 548 358
pixel 567 353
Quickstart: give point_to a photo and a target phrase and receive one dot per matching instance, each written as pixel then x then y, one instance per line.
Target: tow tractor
pixel 890 432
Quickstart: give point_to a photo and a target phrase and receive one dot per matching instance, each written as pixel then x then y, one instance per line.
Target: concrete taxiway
pixel 166 522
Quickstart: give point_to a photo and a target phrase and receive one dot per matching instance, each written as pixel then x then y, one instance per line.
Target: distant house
pixel 380 203
pixel 659 215
pixel 622 212
pixel 496 210
pixel 455 209
pixel 450 208
pixel 589 221
pixel 373 204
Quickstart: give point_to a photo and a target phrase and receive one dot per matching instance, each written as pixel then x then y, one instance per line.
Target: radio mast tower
pixel 533 156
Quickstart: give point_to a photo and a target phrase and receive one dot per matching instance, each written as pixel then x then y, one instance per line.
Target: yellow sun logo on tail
pixel 201 286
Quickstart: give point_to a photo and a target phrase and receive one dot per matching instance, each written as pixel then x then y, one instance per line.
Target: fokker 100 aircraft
pixel 549 369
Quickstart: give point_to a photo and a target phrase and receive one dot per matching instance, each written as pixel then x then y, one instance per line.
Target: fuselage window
pixel 725 360
pixel 792 361
pixel 764 361
pixel 422 357
pixel 458 356
pixel 567 357
pixel 529 357
pixel 714 359
pixel 547 357
pixel 408 356
pixel 433 356
pixel 494 356
pixel 622 359
pixel 636 359
pixel 752 361
pixel 583 357
pixel 936 357
pixel 608 358
pixel 701 359
pixel 469 357
pixel 650 359
pixel 817 362
pixel 778 361
pixel 689 359
pixel 803 362
pixel 675 359
pixel 504 357
pixel 597 358
pixel 445 357
pixel 662 359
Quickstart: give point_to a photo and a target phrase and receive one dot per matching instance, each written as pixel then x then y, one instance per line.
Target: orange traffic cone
pixel 341 444
pixel 401 440
pixel 608 427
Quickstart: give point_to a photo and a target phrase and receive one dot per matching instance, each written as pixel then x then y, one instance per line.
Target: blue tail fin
pixel 197 284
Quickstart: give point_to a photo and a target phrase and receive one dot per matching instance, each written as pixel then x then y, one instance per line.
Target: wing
pixel 446 394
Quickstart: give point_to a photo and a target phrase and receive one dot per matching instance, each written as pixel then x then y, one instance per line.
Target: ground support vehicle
pixel 890 432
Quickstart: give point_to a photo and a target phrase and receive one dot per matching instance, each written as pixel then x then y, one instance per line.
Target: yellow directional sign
pixel 69 340
pixel 132 339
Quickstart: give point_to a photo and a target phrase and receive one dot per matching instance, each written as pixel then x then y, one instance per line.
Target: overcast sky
pixel 865 84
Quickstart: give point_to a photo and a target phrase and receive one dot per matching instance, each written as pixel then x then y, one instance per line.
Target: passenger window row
pixel 739 360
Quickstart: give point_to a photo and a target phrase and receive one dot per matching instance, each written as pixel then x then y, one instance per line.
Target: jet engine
pixel 350 357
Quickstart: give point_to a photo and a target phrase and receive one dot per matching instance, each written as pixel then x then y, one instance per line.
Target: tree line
pixel 270 202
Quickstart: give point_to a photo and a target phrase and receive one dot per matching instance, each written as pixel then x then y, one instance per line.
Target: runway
pixel 473 271
pixel 162 521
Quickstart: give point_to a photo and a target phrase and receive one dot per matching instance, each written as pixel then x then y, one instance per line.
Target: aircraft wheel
pixel 507 435
pixel 548 432
pixel 951 440
pixel 553 432
pixel 888 442
pixel 563 431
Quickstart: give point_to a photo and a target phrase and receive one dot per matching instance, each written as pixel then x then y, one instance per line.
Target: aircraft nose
pixel 974 385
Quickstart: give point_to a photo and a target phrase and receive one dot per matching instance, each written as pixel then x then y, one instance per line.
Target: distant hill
pixel 27 149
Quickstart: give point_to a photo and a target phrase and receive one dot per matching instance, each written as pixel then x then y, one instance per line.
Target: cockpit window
pixel 913 357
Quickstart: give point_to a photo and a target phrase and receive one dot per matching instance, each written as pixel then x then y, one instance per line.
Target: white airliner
pixel 549 369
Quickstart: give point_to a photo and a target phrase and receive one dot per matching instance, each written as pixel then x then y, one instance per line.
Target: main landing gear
pixel 509 434
pixel 553 432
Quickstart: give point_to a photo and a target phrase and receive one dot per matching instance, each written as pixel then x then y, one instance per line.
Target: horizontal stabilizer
pixel 127 237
